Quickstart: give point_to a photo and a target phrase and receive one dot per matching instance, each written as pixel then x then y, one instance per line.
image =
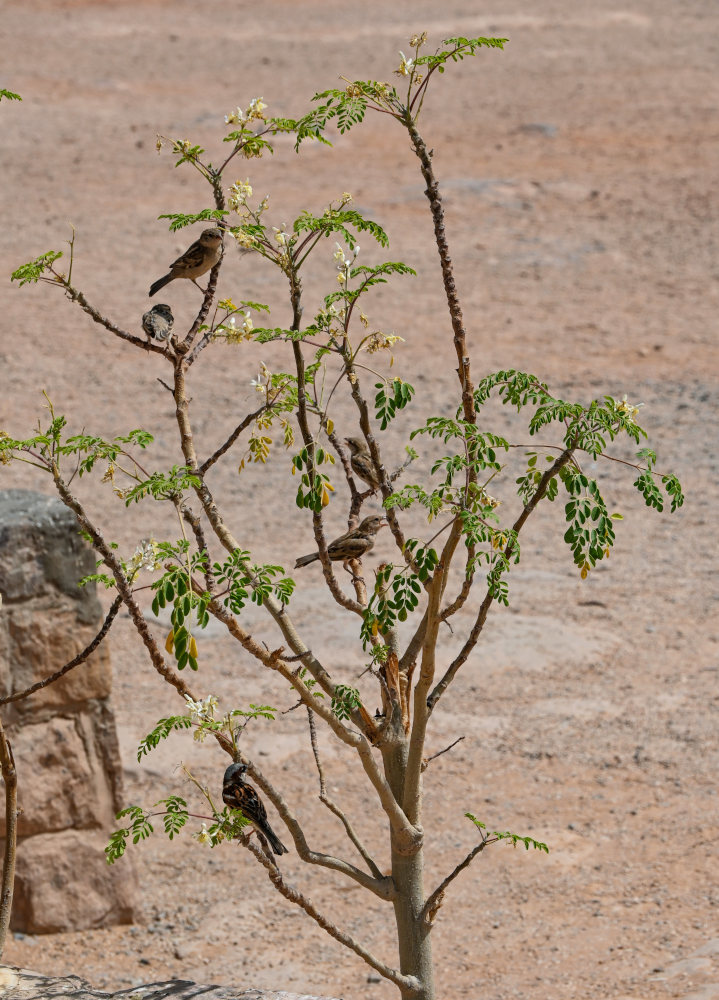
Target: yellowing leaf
pixel 193 647
pixel 170 641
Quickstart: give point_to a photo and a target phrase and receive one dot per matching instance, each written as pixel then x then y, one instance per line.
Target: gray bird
pixel 157 322
pixel 196 260
pixel 361 462
pixel 237 794
pixel 351 545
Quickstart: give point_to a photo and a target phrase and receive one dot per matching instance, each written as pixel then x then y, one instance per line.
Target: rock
pixel 61 778
pixel 42 635
pixel 63 735
pixel 19 984
pixel 63 883
pixel 41 551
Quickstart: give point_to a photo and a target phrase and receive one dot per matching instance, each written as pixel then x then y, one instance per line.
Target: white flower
pixel 145 556
pixel 200 710
pixel 245 240
pixel 339 253
pixel 203 837
pixel 280 235
pixel 247 324
pixel 236 117
pixel 406 65
pixel 630 410
pixel 239 193
pixel 255 108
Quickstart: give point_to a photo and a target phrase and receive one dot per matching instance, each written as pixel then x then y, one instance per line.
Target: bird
pixel 237 794
pixel 157 322
pixel 362 464
pixel 200 257
pixel 351 545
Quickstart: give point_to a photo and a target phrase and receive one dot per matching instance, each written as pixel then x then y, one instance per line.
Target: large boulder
pixel 63 736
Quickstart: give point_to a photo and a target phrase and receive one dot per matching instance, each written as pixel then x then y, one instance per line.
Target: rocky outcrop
pixel 63 736
pixel 19 984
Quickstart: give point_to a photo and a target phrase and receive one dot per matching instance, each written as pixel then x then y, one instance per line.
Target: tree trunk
pixel 413 933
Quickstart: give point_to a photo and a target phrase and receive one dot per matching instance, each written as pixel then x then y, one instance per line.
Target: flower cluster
pixel 264 379
pixel 406 65
pixel 145 556
pixel 202 711
pixel 344 263
pixel 630 410
pixel 379 341
pixel 234 334
pixel 254 111
pixel 239 193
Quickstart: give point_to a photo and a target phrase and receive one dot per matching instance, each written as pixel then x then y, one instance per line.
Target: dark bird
pixel 196 260
pixel 157 322
pixel 362 464
pixel 237 794
pixel 351 545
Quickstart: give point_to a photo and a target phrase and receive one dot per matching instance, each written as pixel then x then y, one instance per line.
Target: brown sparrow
pixel 196 260
pixel 351 545
pixel 237 794
pixel 157 322
pixel 362 464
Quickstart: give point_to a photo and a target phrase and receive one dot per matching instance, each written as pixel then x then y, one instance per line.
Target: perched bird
pixel 351 545
pixel 362 464
pixel 200 257
pixel 239 795
pixel 157 322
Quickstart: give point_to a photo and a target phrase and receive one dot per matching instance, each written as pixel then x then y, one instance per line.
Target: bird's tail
pixel 277 846
pixel 305 560
pixel 160 283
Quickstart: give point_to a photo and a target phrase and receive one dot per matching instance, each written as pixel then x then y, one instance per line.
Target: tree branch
pixel 123 586
pixel 435 900
pixel 379 884
pixel 455 311
pixel 9 774
pixel 147 345
pixel 243 424
pixel 406 983
pixel 474 634
pixel 324 798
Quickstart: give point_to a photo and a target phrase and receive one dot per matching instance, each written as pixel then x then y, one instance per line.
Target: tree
pixel 463 560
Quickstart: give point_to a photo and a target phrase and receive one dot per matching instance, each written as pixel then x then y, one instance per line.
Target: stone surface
pixel 20 984
pixel 63 883
pixel 41 551
pixel 61 779
pixel 41 637
pixel 63 735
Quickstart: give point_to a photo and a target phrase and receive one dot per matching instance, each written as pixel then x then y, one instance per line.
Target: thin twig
pixel 146 345
pixel 324 798
pixel 434 901
pixel 80 658
pixel 427 760
pixel 243 424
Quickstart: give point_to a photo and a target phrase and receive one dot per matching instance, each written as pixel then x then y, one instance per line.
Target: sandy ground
pixel 580 173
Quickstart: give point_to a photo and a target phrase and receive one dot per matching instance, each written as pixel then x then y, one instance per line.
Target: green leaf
pixel 35 269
